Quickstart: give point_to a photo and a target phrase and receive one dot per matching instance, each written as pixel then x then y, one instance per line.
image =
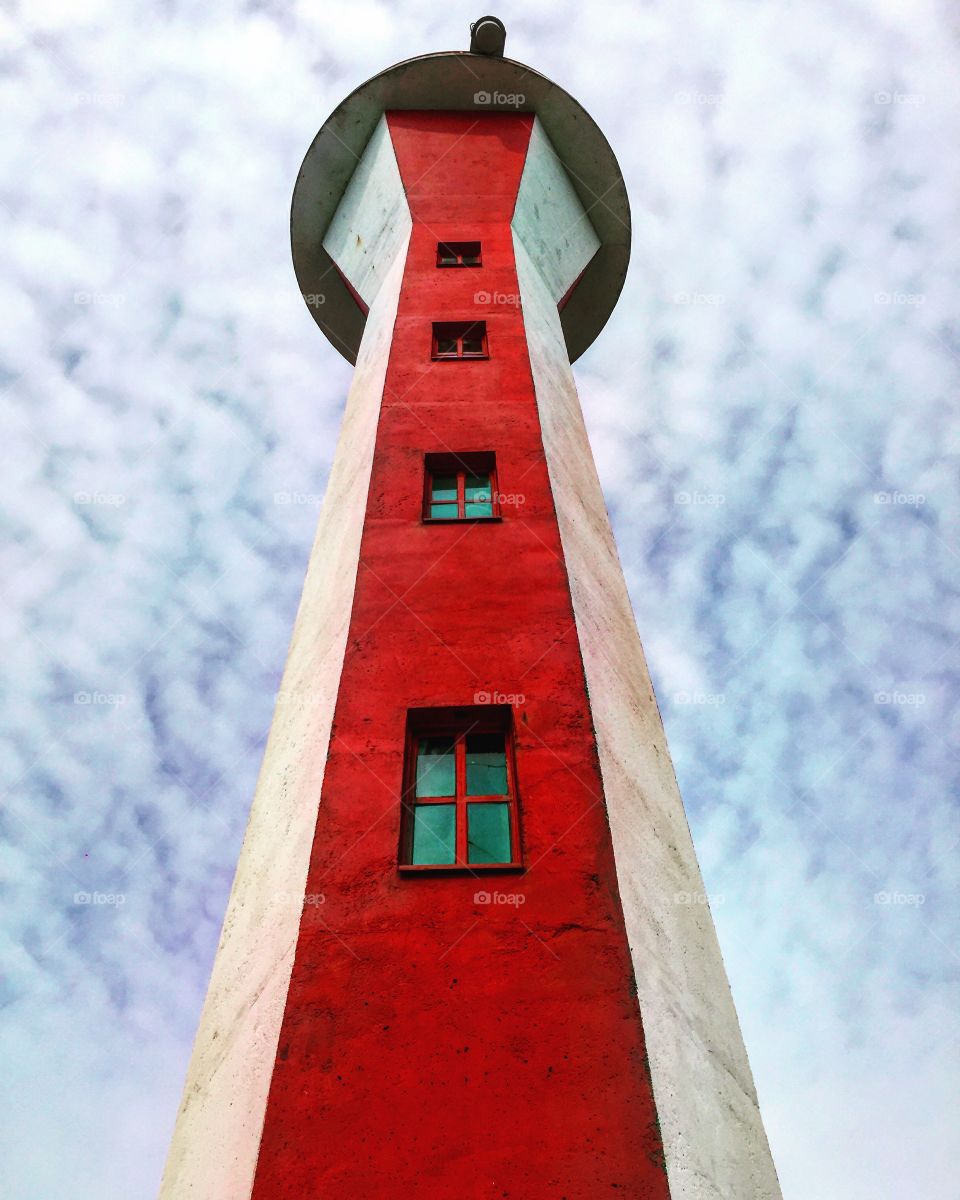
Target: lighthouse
pixel 467 952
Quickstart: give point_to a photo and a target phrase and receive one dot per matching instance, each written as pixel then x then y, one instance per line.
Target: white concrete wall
pixel 372 221
pixel 216 1140
pixel 549 219
pixel 714 1141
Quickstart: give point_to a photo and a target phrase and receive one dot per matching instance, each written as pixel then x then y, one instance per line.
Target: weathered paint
pixel 550 220
pixel 372 223
pixel 434 1044
pixel 217 1134
pixel 714 1142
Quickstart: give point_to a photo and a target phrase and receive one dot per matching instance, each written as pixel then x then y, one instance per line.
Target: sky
pixel 773 413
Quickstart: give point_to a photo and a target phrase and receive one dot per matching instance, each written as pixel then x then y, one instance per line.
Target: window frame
pixel 460 465
pixel 457 331
pixel 459 251
pixel 458 724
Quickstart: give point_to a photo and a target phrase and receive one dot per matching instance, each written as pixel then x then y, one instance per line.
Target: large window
pixel 460 487
pixel 458 254
pixel 459 339
pixel 460 798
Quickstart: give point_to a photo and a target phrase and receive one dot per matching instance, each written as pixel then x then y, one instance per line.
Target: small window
pixel 458 254
pixel 457 339
pixel 460 802
pixel 460 487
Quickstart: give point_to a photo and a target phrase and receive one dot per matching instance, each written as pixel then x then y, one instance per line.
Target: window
pixel 460 487
pixel 460 803
pixel 458 254
pixel 460 339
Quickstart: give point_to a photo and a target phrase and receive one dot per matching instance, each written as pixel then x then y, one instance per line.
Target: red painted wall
pixel 433 1046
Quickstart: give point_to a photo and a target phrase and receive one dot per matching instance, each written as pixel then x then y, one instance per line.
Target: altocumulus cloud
pixel 773 413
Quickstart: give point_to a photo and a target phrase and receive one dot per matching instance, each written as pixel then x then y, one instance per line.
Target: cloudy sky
pixel 773 410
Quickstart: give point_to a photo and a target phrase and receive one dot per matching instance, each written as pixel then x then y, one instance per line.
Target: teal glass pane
pixel 478 501
pixel 486 765
pixel 434 835
pixel 488 833
pixel 443 510
pixel 447 347
pixel 477 487
pixel 436 773
pixel 443 487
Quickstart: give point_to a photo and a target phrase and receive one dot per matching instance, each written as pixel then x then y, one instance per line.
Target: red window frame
pixel 457 254
pixel 460 466
pixel 458 723
pixel 457 332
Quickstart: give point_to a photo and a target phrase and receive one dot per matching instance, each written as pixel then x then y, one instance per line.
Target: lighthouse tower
pixel 460 958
